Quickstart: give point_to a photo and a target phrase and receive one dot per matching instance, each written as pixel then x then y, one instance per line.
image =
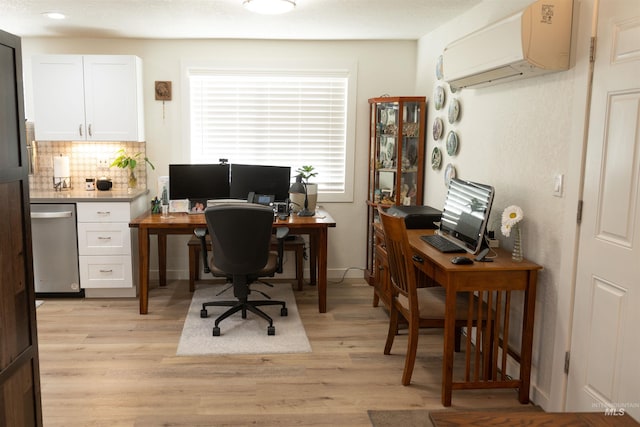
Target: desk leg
pixel 143 274
pixel 449 344
pixel 321 251
pixel 313 258
pixel 162 258
pixel 527 336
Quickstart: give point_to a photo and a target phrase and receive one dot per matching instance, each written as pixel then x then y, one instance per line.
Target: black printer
pixel 417 216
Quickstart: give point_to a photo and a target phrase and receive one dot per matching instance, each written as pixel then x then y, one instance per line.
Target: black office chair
pixel 240 246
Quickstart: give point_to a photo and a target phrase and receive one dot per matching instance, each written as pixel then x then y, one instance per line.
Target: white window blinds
pixel 272 118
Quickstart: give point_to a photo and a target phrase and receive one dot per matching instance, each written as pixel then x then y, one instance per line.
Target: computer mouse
pixel 460 260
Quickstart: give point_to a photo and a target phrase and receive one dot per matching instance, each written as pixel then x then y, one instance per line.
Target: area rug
pixel 238 335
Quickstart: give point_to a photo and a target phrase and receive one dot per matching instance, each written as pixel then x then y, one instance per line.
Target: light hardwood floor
pixel 103 364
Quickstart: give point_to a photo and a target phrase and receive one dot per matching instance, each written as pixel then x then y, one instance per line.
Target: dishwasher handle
pixel 49 215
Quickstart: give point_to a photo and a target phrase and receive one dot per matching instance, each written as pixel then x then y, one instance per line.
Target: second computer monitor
pixel 259 179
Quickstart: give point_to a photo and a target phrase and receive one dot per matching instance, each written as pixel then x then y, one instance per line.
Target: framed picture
pixel 197 205
pixel 163 90
pixel 181 205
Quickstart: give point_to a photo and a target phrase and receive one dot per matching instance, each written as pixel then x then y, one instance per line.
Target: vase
pixel 133 180
pixel 516 254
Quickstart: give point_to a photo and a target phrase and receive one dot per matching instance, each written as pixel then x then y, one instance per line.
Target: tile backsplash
pixel 86 160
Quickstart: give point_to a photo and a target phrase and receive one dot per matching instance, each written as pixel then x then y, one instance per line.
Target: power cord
pixel 345 274
pixel 492 253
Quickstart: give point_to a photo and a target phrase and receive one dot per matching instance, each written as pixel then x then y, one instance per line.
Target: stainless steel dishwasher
pixel 55 249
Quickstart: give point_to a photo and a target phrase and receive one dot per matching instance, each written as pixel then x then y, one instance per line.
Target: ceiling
pixel 227 19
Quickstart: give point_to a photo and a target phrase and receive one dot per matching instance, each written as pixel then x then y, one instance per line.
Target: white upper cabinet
pixel 88 98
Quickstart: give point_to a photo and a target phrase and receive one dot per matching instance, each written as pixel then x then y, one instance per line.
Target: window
pixel 282 118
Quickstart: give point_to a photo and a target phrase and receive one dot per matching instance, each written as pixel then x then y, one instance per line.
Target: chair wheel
pixel 271 330
pixel 204 314
pixel 216 331
pixel 284 311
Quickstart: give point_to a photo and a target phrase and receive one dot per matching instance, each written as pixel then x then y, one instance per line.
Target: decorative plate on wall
pixel 438 127
pixel 449 172
pixel 439 97
pixel 452 143
pixel 454 111
pixel 436 158
pixel 439 74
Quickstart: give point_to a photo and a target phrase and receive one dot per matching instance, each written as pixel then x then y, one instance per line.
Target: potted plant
pixel 311 190
pixel 126 161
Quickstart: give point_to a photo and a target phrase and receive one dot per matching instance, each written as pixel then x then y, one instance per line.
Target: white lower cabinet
pixel 106 248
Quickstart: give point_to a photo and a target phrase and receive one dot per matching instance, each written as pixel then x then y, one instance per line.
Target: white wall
pixel 383 67
pixel 517 136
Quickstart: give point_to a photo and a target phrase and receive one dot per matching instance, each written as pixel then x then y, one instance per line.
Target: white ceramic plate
pixel 449 172
pixel 438 127
pixel 454 111
pixel 436 158
pixel 439 73
pixel 439 97
pixel 452 143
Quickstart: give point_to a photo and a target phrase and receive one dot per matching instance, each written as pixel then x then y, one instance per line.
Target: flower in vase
pixel 510 217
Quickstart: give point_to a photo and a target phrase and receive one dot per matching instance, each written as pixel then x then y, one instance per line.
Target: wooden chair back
pixel 399 255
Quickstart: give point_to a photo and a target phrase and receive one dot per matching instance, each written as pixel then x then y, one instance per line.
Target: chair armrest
pixel 201 233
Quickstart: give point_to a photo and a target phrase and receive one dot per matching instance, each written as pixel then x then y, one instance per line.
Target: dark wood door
pixel 19 370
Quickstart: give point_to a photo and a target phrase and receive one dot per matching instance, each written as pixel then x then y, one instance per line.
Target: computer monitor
pixel 259 179
pixel 199 182
pixel 465 214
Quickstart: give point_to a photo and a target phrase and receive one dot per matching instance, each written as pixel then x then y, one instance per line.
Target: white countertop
pixel 72 196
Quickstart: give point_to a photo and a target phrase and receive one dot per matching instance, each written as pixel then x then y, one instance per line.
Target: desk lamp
pixel 299 187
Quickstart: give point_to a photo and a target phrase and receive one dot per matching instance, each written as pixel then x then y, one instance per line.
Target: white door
pixel 604 372
pixel 112 102
pixel 58 97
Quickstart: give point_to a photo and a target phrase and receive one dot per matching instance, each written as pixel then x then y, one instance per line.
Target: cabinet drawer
pixel 105 272
pixel 96 238
pixel 103 212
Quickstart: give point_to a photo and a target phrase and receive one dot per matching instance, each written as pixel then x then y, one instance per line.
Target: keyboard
pixel 442 244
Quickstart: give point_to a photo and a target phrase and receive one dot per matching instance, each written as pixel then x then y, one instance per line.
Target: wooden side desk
pixel 493 282
pixel 181 223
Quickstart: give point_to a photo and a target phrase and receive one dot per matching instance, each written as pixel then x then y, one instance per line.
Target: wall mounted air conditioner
pixel 534 41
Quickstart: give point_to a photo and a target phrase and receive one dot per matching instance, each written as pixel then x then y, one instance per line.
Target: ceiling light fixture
pixel 54 15
pixel 269 7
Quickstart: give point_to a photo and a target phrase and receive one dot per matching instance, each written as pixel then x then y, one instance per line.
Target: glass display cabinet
pixel 396 166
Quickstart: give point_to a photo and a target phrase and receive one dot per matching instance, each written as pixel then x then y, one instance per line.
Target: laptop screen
pixel 465 214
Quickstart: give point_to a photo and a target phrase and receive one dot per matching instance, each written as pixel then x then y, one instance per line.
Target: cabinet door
pixel 113 101
pixel 58 97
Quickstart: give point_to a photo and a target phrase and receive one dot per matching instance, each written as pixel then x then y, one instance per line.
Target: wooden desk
pixel 493 282
pixel 181 223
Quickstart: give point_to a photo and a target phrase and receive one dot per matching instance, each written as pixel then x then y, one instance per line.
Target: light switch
pixel 558 185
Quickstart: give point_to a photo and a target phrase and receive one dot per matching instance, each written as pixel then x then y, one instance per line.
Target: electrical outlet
pixel 102 163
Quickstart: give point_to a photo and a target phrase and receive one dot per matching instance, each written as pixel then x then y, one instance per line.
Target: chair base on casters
pixel 243 305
